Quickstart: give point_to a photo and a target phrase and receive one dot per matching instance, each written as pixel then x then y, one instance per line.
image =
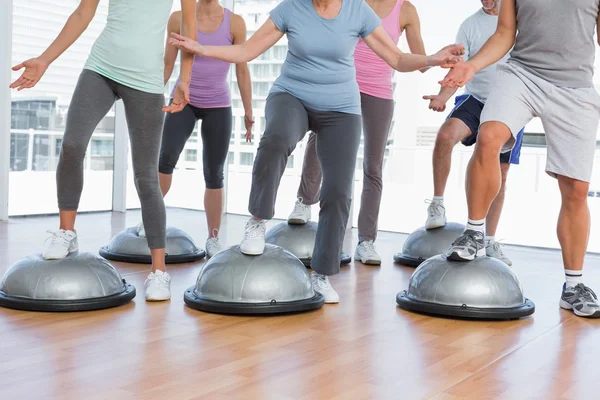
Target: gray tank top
pixel 555 40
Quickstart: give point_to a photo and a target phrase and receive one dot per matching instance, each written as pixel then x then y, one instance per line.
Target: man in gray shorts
pixel 548 75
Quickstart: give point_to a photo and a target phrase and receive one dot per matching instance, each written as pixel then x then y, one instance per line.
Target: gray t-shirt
pixel 473 33
pixel 555 40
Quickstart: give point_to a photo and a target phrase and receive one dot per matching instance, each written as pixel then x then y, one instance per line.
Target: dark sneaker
pixel 467 247
pixel 581 299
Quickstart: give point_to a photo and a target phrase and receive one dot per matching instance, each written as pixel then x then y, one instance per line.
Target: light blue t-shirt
pixel 319 66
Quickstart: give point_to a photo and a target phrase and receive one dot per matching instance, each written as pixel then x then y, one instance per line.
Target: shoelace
pixel 300 207
pixel 159 279
pixel 213 243
pixel 496 246
pixel 585 293
pixel 322 281
pixel 254 229
pixel 57 237
pixel 369 246
pixel 467 240
pixel 435 208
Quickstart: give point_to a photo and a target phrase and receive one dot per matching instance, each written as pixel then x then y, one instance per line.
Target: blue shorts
pixel 468 109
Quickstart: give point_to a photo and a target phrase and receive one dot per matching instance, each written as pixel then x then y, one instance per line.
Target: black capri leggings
pixel 215 131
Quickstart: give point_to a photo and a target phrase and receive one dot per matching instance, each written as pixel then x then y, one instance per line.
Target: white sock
pixel 476 225
pixel 439 199
pixel 573 277
pixel 490 239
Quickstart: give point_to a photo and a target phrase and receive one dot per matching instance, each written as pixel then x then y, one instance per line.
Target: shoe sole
pixel 61 258
pixel 368 262
pixel 455 257
pixel 567 306
pixel 509 263
pixel 331 302
pixel 435 226
pixel 294 221
pixel 157 299
pixel 250 253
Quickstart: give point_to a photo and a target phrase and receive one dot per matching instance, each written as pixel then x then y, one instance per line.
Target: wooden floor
pixel 363 348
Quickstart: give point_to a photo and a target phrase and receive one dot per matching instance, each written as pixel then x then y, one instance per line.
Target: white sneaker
pixel 301 213
pixel 254 238
pixel 494 249
pixel 60 244
pixel 321 284
pixel 140 229
pixel 158 286
pixel 213 246
pixel 366 254
pixel 436 215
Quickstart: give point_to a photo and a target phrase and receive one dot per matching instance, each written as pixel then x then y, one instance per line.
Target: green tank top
pixel 130 49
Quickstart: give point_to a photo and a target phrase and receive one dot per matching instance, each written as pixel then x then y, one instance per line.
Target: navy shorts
pixel 468 109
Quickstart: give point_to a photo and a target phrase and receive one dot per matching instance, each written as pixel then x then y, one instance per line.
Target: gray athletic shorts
pixel 569 116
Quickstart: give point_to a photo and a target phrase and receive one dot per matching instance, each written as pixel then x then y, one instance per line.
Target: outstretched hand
pixel 448 56
pixel 436 102
pixel 186 44
pixel 459 75
pixel 34 70
pixel 181 98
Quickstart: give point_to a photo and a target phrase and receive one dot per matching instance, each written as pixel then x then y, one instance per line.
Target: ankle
pixel 477 225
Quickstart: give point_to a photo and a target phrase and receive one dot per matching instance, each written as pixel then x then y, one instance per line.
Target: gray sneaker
pixel 581 299
pixel 467 247
pixel 494 249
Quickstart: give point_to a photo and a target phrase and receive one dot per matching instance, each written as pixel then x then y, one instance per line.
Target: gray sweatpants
pixel 377 116
pixel 94 96
pixel 287 121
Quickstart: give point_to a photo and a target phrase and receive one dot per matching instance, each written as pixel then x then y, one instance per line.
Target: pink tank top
pixel 209 87
pixel 373 75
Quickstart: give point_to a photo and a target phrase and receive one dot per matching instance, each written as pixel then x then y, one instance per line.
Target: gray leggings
pixel 377 116
pixel 94 96
pixel 287 121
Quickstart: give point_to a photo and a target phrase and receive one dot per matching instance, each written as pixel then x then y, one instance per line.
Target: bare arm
pixel 238 30
pixel 74 27
pixel 188 29
pixel 171 51
pixel 501 41
pixel 382 45
pixel 263 39
pixel 410 23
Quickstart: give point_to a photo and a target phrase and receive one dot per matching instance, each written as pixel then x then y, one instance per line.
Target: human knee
pixel 492 137
pixel 373 171
pixel 167 163
pixel 573 192
pixel 73 151
pixel 448 136
pixel 276 144
pixel 214 178
pixel 147 184
pixel 336 193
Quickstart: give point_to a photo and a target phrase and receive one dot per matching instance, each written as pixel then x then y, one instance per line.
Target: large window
pixel 532 200
pixel 264 70
pixel 38 115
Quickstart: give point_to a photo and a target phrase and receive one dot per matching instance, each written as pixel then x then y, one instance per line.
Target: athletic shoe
pixel 366 254
pixel 436 214
pixel 581 299
pixel 494 249
pixel 213 246
pixel 321 284
pixel 254 238
pixel 141 232
pixel 467 247
pixel 158 286
pixel 60 244
pixel 301 213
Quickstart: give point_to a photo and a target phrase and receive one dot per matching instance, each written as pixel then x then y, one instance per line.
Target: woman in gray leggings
pixel 316 91
pixel 125 63
pixel 374 79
